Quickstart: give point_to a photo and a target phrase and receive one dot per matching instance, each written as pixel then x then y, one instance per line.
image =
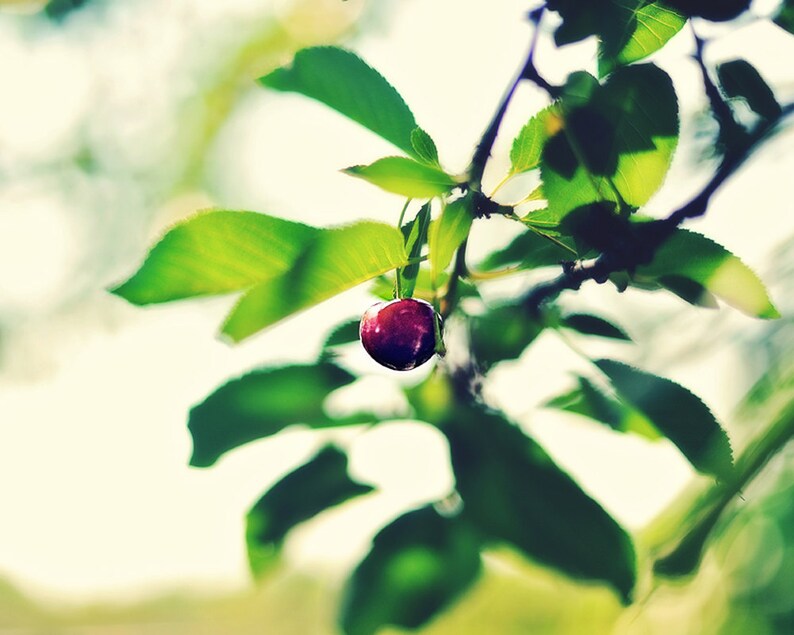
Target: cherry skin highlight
pixel 399 334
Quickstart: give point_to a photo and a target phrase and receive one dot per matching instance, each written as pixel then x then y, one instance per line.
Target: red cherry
pixel 400 334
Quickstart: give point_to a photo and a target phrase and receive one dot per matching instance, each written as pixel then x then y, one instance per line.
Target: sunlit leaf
pixel 616 142
pixel 336 260
pixel 321 483
pixel 677 413
pixel 341 80
pixel 513 491
pixel 528 145
pixel 587 324
pixel 739 78
pixel 694 257
pixel 415 239
pixel 447 234
pixel 424 146
pixel 261 404
pixel 216 252
pixel 418 565
pixel 404 176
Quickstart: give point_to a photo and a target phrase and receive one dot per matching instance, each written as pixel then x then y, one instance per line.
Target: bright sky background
pixel 95 494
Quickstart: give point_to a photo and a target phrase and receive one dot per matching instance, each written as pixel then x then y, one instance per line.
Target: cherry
pixel 399 334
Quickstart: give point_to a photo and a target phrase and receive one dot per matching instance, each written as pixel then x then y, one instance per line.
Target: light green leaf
pixel 404 176
pixel 321 483
pixel 644 29
pixel 692 256
pixel 417 566
pixel 261 404
pixel 528 145
pixel 677 413
pixel 616 141
pixel 415 239
pixel 447 234
pixel 216 252
pixel 424 147
pixel 341 80
pixel 336 260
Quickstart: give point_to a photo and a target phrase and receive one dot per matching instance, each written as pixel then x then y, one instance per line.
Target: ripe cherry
pixel 400 334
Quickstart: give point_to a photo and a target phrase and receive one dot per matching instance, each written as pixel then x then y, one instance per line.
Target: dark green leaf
pixel 529 250
pixel 785 16
pixel 424 146
pixel 616 140
pixel 321 483
pixel 590 401
pixel 216 252
pixel 739 78
pixel 58 10
pixel 694 257
pixel 336 260
pixel 689 291
pixel 593 325
pixel 715 10
pixel 677 413
pixel 342 81
pixel 418 566
pixel 447 234
pixel 502 333
pixel 513 491
pixel 344 333
pixel 404 176
pixel 415 234
pixel 260 404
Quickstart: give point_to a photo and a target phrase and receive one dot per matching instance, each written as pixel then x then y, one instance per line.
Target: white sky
pixel 95 493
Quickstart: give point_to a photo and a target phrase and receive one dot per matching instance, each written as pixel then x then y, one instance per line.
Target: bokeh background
pixel 120 117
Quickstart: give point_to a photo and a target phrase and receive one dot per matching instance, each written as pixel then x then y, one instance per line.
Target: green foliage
pixel 530 250
pixel 261 404
pixel 502 333
pixel 341 80
pixel 785 16
pixel 739 78
pixel 587 324
pixel 424 147
pixel 404 176
pixel 321 483
pixel 415 233
pixel 447 234
pixel 528 145
pixel 678 414
pixel 417 565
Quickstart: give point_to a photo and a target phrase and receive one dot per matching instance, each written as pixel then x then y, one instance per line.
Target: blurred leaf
pixel 587 324
pixel 689 291
pixel 529 250
pixel 321 483
pixel 513 492
pixel 216 252
pixel 501 333
pixel 590 401
pixel 433 398
pixel 785 16
pixel 617 140
pixel 715 10
pixel 689 255
pixel 424 147
pixel 336 260
pixel 261 404
pixel 677 413
pixel 645 27
pixel 60 9
pixel 418 565
pixel 739 78
pixel 415 234
pixel 404 176
pixel 447 234
pixel 344 333
pixel 341 80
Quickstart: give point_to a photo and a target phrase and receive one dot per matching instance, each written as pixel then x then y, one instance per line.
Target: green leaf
pixel 404 176
pixel 528 145
pixel 336 260
pixel 692 256
pixel 785 16
pixel 587 324
pixel 677 413
pixel 415 234
pixel 341 80
pixel 424 147
pixel 513 492
pixel 529 250
pixel 261 404
pixel 344 333
pixel 501 333
pixel 590 401
pixel 321 483
pixel 616 140
pixel 739 78
pixel 383 287
pixel 216 252
pixel 418 566
pixel 642 28
pixel 447 234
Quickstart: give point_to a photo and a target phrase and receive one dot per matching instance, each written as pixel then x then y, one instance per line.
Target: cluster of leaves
pixel 601 148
